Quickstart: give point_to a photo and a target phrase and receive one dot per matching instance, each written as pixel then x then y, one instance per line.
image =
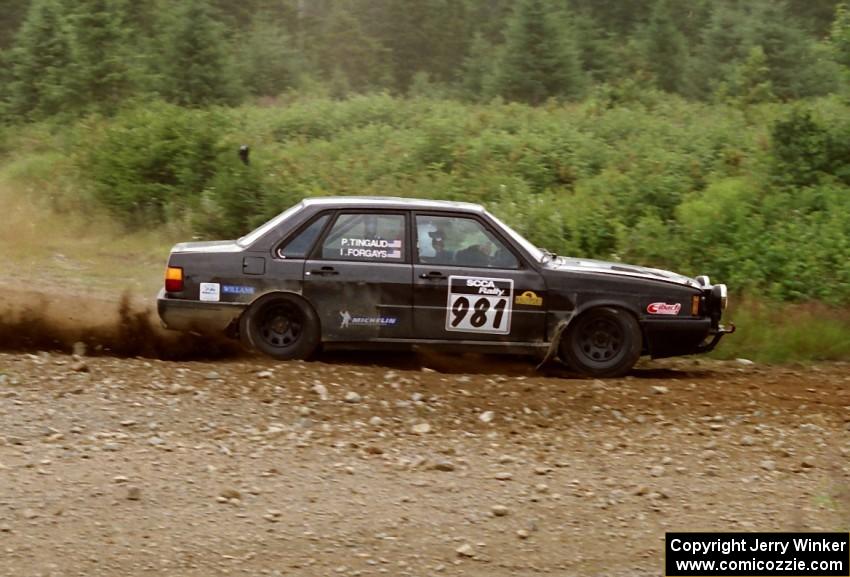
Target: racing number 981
pixel 479 305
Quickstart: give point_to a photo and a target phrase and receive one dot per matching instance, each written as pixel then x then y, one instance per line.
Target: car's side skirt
pixel 501 347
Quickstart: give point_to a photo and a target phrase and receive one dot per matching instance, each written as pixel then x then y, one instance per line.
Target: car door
pixel 468 284
pixel 359 277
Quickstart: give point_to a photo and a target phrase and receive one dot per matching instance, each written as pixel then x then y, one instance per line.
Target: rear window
pixel 299 246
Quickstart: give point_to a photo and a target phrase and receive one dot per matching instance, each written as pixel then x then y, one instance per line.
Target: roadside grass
pixel 784 332
pixel 52 236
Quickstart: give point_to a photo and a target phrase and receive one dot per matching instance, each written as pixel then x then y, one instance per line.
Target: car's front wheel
pixel 602 342
pixel 282 326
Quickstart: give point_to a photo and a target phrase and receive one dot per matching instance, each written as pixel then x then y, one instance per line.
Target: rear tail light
pixel 174 279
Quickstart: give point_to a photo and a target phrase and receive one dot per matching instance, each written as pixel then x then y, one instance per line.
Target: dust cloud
pixel 123 328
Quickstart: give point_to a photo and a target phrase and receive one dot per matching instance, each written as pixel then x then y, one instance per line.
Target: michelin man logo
pixel 346 319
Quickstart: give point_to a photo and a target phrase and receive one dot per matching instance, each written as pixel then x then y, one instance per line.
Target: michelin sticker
pixel 370 248
pixel 210 291
pixel 480 305
pixel 347 321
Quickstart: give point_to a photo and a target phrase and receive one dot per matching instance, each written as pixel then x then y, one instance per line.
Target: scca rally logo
pixel 664 309
pixel 485 287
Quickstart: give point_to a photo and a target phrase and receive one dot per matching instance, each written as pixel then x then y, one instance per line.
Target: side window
pixel 459 241
pixel 300 245
pixel 366 237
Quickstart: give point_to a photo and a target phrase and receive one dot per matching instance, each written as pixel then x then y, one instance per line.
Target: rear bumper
pixel 197 316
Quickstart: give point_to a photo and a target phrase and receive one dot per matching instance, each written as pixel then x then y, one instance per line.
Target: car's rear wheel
pixel 282 326
pixel 602 342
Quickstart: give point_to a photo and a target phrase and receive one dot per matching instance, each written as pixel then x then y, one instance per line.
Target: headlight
pixel 720 294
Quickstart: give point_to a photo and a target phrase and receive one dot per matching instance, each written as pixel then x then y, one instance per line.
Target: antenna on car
pixel 244 151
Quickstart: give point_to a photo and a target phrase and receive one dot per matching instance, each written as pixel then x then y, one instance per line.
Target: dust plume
pixel 125 328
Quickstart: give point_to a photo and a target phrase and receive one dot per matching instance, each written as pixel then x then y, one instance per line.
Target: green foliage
pixel 756 197
pixel 540 59
pixel 806 151
pixel 99 73
pixel 840 35
pixel 196 66
pixel 751 80
pixel 479 70
pixel 152 163
pixel 666 53
pixel 267 59
pixel 347 56
pixel 11 17
pixel 73 58
pixel 39 86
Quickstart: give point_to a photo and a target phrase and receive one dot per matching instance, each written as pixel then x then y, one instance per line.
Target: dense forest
pixel 92 55
pixel 702 135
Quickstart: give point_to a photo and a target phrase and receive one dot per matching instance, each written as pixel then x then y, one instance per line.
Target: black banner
pixel 757 554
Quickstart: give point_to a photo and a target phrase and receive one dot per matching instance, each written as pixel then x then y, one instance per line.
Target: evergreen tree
pixel 816 15
pixel 345 49
pixel 40 60
pixel 100 51
pixel 420 36
pixel 725 41
pixel 840 35
pixel 599 48
pixel 752 80
pixel 618 16
pixel 665 52
pixel 479 68
pixel 268 61
pixel 196 66
pixel 540 59
pixel 789 54
pixel 12 15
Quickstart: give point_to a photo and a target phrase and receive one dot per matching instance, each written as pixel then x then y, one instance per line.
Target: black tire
pixel 602 342
pixel 282 326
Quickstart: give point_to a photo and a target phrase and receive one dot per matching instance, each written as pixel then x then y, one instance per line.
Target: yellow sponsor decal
pixel 529 298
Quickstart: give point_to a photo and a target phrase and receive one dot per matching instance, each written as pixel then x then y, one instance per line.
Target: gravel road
pixel 385 466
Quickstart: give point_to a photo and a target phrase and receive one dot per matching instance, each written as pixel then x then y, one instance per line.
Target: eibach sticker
pixel 664 308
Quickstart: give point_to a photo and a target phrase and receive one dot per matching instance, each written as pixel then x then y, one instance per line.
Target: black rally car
pixel 368 272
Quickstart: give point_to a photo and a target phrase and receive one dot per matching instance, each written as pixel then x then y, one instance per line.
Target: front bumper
pixel 674 337
pixel 197 316
pixel 721 331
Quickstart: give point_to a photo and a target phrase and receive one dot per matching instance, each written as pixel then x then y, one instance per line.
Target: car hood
pixel 208 246
pixel 619 269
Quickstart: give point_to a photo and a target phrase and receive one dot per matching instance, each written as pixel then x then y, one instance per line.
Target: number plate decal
pixel 480 305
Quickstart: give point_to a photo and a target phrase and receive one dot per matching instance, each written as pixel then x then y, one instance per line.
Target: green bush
pixel 151 163
pixel 757 197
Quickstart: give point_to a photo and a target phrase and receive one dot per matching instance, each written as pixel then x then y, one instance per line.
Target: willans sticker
pixel 664 308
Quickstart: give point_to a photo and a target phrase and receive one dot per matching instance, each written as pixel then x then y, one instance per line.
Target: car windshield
pixel 535 252
pixel 259 232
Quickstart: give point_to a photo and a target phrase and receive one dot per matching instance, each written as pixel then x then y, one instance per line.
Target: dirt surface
pixel 383 465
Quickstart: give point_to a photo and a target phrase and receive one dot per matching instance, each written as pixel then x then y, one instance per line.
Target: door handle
pixel 325 270
pixel 433 275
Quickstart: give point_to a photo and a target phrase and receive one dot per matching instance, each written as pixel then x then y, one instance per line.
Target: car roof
pixel 392 202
